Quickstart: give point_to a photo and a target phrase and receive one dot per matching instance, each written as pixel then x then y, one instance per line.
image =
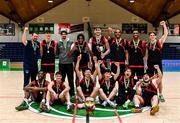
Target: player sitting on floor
pixel 125 89
pixel 35 91
pixel 107 83
pixel 146 92
pixel 58 91
pixel 87 82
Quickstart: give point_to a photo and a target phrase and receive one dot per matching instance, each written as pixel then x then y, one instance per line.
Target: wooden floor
pixel 11 95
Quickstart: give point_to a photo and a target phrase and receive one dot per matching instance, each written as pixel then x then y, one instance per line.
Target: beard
pixel 118 36
pixel 135 37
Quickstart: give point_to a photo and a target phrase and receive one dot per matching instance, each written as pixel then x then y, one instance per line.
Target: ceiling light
pixel 131 1
pixel 50 1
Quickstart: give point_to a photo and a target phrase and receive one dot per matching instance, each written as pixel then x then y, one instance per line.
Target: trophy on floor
pixel 90 107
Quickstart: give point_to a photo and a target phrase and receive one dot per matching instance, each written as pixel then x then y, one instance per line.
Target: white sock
pixel 43 101
pixel 47 103
pixel 68 103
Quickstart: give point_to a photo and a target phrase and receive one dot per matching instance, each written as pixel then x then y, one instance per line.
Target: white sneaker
pixel 104 103
pixel 112 104
pixel 97 100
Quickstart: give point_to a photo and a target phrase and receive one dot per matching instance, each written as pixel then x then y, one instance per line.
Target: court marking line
pixel 82 117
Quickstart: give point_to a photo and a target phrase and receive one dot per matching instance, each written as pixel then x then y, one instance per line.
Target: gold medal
pixel 126 84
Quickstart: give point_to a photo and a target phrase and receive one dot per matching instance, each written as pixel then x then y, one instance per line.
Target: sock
pixel 43 101
pixel 68 103
pixel 137 105
pixel 47 103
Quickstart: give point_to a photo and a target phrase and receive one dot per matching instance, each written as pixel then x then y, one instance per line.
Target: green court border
pixel 68 115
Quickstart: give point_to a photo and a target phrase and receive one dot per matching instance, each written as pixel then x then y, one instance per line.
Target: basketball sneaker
pixel 112 104
pixel 131 104
pixel 104 104
pixel 161 98
pixel 136 110
pixel 125 105
pixel 154 110
pixel 22 106
pixel 42 107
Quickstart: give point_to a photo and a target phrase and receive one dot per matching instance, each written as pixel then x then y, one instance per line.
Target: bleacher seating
pixel 171 51
pixel 12 51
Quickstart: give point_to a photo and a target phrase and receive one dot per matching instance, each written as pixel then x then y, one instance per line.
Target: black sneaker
pixel 22 106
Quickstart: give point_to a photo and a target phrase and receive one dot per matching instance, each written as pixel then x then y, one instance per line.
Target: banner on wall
pixel 70 28
pixel 40 28
pixel 64 27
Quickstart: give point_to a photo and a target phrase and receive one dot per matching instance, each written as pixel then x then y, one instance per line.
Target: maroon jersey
pixel 48 51
pixel 107 88
pixel 42 84
pixel 154 52
pixel 125 89
pixel 148 90
pixel 58 88
pixel 48 57
pixel 96 46
pixel 118 50
pixel 85 55
pixel 87 87
pixel 136 54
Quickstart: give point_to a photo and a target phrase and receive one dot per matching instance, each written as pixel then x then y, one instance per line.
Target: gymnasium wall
pixel 99 11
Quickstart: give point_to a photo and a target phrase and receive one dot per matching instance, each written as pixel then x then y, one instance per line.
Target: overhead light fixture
pixel 50 1
pixel 131 1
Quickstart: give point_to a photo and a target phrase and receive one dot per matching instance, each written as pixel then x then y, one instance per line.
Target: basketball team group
pixel 108 68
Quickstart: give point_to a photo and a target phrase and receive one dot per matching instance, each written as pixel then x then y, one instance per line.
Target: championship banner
pixel 70 28
pixel 64 27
